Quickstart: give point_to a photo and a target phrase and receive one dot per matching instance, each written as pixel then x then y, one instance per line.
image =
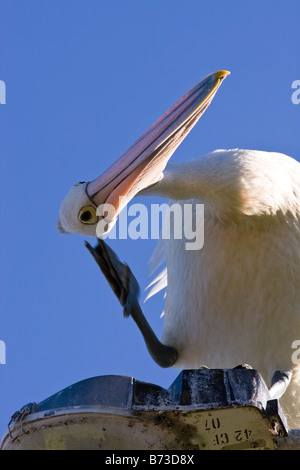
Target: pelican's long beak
pixel 142 165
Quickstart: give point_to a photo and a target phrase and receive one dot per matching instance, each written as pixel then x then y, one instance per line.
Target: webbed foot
pixel 126 288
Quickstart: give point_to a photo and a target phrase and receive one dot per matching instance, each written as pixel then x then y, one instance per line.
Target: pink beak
pixel 143 163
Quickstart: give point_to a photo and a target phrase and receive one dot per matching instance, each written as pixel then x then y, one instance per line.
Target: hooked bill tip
pixel 221 74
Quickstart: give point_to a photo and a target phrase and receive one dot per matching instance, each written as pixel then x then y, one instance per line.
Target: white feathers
pixel 158 283
pixel 237 299
pixel 235 182
pixel 157 259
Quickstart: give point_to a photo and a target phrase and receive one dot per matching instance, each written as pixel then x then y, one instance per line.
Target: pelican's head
pixel 78 213
pixel 141 166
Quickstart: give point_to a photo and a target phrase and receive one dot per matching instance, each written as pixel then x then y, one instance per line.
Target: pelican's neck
pixel 182 181
pixel 194 179
pixel 210 179
pixel 234 183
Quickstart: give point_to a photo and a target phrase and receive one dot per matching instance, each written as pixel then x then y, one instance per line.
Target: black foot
pixel 118 275
pixel 126 288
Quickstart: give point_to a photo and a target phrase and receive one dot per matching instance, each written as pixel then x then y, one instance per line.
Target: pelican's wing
pixel 158 284
pixel 158 256
pixel 161 280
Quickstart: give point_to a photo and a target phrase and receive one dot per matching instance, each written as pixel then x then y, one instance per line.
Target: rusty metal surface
pixel 202 409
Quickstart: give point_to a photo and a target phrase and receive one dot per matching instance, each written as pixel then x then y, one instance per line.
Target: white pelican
pixel 237 299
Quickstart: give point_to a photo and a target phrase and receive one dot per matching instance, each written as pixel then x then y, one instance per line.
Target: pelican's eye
pixel 87 215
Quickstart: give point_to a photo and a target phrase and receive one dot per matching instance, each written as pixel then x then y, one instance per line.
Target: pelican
pixel 236 300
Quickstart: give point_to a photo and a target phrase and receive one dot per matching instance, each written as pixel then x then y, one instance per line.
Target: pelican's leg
pixel 279 383
pixel 126 288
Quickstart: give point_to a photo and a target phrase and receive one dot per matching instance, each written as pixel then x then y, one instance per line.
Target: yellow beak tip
pixel 222 74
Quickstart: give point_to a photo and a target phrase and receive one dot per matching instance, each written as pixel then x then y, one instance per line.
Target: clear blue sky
pixel 84 78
